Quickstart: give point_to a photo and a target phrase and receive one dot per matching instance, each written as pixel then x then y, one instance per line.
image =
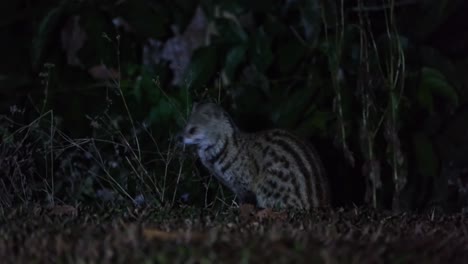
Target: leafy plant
pixel 364 77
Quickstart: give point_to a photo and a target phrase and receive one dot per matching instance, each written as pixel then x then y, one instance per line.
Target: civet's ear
pixel 217 111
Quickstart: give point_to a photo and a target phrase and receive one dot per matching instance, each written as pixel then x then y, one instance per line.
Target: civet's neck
pixel 227 140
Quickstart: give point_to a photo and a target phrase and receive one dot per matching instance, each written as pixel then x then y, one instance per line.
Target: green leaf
pixel 146 18
pixel 261 6
pixel 260 50
pixel 234 57
pixel 289 53
pixel 433 58
pixel 317 121
pixel 202 67
pixel 426 161
pixel 183 12
pixel 292 109
pixel 230 31
pixel 274 26
pixel 425 99
pixel 184 101
pixel 433 83
pixel 162 112
pixel 47 26
pixel 144 90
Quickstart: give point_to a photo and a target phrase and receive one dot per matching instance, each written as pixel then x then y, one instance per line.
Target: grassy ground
pixel 239 235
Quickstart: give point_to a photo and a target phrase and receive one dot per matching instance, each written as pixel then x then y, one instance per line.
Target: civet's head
pixel 206 124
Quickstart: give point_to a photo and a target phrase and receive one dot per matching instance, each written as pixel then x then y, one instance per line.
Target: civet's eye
pixel 192 130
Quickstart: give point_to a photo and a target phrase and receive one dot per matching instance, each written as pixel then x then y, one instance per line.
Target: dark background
pixel 92 94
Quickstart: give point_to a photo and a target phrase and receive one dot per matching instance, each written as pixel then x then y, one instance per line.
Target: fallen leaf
pixel 151 233
pixel 270 214
pixel 64 210
pixel 102 72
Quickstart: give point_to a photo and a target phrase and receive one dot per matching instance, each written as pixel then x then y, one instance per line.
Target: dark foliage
pixel 93 93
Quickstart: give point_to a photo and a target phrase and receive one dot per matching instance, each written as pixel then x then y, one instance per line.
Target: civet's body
pixel 273 168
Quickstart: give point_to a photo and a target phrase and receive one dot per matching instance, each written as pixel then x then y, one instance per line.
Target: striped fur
pixel 273 168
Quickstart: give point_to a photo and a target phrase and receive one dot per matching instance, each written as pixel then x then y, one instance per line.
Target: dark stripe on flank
pixel 216 156
pixel 278 174
pixel 257 145
pixel 265 151
pixel 297 189
pixel 313 181
pixel 302 167
pixel 254 162
pixel 285 146
pixel 235 139
pixel 266 165
pixel 285 177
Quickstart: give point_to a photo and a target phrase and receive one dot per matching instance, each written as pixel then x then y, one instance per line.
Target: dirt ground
pixel 65 234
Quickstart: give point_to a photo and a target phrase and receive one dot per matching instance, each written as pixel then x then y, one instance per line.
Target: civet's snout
pixel 190 135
